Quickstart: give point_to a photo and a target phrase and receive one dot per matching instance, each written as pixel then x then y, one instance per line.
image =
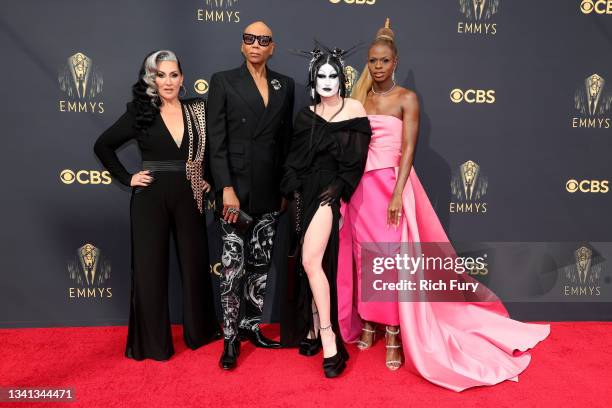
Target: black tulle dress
pixel 324 156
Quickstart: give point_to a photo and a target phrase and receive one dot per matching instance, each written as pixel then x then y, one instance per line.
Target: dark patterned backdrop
pixel 514 92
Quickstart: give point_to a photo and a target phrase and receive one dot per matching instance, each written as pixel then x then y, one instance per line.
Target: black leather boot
pixel 257 338
pixel 231 351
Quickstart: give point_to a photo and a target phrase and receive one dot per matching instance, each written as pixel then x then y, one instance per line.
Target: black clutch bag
pixel 242 224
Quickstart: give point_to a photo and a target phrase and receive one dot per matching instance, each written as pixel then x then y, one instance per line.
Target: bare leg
pixel 313 249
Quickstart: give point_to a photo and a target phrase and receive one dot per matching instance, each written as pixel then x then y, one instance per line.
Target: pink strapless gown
pixel 454 345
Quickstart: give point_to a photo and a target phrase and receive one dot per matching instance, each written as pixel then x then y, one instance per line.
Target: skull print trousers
pixel 245 261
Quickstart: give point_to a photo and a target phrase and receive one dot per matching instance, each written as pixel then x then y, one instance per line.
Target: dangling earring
pixel 312 93
pixel 394 68
pixel 184 89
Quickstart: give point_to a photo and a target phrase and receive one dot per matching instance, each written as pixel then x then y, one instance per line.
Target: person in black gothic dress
pixel 166 197
pixel 325 163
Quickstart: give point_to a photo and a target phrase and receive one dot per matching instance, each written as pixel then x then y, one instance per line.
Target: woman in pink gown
pixel 456 345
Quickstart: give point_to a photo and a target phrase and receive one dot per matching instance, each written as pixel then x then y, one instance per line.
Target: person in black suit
pixel 250 111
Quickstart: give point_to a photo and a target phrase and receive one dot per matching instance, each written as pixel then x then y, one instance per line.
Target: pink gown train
pixel 456 345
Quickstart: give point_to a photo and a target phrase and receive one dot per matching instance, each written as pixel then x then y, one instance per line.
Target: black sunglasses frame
pixel 259 38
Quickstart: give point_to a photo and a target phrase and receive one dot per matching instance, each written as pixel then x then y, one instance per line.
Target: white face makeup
pixel 328 81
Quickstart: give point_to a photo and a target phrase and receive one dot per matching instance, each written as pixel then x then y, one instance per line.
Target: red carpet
pixel 570 368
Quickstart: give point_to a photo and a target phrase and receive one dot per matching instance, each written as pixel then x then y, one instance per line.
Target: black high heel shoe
pixel 334 366
pixel 310 347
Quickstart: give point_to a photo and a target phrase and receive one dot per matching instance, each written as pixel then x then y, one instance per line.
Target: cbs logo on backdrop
pixel 201 86
pixel 85 177
pixel 587 186
pixel 597 6
pixel 472 96
pixel 368 2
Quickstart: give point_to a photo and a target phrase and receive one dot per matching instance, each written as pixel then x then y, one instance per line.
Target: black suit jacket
pixel 248 141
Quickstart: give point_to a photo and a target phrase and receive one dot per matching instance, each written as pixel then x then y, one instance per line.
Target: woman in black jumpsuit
pixel 166 197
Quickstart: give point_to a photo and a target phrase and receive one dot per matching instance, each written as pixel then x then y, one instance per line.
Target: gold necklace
pixel 383 93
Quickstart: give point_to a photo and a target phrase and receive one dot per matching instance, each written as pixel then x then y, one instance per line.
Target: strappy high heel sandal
pixel 364 345
pixel 392 364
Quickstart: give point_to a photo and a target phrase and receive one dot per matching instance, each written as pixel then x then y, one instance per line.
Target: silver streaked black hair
pixel 145 102
pixel 150 70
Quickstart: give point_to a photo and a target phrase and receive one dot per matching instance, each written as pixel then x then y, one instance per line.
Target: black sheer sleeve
pixel 354 154
pixel 114 137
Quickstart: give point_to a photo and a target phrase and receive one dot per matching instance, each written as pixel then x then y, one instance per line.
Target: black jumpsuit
pixel 166 205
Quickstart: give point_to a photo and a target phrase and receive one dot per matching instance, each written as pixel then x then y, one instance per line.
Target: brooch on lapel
pixel 275 84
